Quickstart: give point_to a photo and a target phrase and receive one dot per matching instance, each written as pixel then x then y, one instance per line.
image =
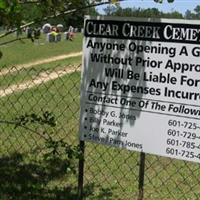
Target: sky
pixel 178 5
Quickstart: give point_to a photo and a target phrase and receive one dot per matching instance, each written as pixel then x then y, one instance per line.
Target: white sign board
pixel 140 85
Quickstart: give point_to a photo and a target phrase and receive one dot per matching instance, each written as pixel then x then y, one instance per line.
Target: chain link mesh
pixel 109 173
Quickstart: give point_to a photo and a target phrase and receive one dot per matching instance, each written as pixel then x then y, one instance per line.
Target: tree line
pixel 17 14
pixel 150 13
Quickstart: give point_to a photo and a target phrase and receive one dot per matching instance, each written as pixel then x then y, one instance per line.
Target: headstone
pixel 37 33
pixel 29 32
pixel 46 28
pixel 60 27
pixel 58 37
pixel 66 35
pixel 50 37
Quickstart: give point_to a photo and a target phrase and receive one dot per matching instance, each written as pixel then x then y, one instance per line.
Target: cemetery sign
pixel 140 86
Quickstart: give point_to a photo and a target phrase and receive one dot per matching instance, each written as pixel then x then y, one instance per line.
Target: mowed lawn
pixel 21 150
pixel 55 95
pixel 110 173
pixel 24 51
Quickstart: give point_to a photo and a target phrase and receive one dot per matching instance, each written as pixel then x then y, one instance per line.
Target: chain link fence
pixel 109 173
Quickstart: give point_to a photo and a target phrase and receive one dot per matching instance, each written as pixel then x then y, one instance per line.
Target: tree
pixel 193 15
pixel 16 12
pixel 189 14
pixel 109 10
pixel 197 12
pixel 138 12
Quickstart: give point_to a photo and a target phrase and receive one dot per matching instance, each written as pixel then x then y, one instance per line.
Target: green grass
pixel 61 96
pixel 29 73
pixel 55 96
pixel 23 52
pixel 20 149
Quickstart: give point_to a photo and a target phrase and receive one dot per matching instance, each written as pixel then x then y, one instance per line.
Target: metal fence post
pixel 81 171
pixel 141 176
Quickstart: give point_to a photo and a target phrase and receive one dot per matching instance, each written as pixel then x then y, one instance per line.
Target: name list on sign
pixel 139 76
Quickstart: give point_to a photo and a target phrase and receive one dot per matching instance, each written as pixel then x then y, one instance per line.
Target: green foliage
pixel 15 13
pixel 193 15
pixel 46 118
pixel 2 4
pixel 10 13
pixel 138 12
pixel 55 148
pixel 59 149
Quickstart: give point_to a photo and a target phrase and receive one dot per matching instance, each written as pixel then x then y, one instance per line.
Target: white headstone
pixel 60 27
pixel 46 28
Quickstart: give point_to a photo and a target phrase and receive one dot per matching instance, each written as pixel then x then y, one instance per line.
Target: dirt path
pixel 40 79
pixel 38 62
